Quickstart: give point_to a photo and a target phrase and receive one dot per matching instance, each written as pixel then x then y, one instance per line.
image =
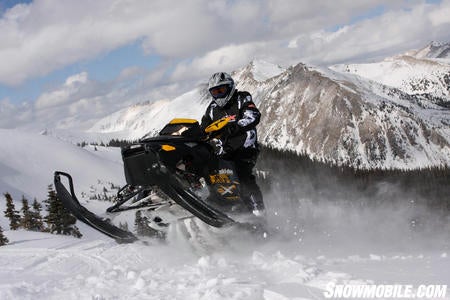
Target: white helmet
pixel 221 87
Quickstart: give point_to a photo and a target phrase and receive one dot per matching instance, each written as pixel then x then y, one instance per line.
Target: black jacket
pixel 241 135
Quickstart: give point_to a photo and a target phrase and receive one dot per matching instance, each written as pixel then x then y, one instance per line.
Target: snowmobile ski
pixel 70 202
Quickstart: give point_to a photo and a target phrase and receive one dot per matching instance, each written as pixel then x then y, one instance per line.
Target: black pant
pixel 250 192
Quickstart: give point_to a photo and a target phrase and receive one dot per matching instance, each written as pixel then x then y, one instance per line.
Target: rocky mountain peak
pixel 347 121
pixel 434 50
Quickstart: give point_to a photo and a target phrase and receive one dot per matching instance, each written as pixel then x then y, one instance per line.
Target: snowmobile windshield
pixel 187 130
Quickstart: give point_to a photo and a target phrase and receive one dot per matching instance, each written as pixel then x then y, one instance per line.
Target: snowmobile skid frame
pixel 127 193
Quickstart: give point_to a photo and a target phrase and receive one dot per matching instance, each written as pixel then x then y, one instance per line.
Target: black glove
pixel 217 146
pixel 232 128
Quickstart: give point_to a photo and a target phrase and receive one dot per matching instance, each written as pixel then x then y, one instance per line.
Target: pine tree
pixel 68 222
pixel 37 220
pixel 149 231
pixel 143 229
pixel 138 223
pixel 59 219
pixel 11 213
pixel 53 219
pixel 3 239
pixel 123 226
pixel 27 217
pixel 75 232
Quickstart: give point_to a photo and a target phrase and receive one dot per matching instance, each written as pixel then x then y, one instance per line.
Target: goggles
pixel 219 91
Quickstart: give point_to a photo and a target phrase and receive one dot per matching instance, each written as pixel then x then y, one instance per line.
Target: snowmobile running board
pixel 70 202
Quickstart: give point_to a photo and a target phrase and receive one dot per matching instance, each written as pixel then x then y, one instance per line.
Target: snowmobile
pixel 176 169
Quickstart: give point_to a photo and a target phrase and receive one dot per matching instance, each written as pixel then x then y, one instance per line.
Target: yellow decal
pixel 217 125
pixel 219 178
pixel 168 148
pixel 183 121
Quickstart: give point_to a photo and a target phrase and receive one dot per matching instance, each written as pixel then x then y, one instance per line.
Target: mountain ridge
pixel 332 117
pixel 329 114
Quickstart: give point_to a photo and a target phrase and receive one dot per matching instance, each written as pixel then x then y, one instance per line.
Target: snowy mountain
pixel 337 118
pixel 423 72
pixel 432 50
pixel 135 121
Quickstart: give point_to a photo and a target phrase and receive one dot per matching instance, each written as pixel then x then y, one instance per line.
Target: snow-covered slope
pixel 135 121
pixel 416 72
pixel 41 266
pixel 27 163
pixel 263 70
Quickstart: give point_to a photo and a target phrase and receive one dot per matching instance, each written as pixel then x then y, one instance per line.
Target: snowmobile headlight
pixel 168 148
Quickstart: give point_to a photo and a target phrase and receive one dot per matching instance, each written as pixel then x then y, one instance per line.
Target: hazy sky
pixel 89 57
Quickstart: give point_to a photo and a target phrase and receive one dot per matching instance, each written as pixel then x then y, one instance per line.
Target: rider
pixel 240 144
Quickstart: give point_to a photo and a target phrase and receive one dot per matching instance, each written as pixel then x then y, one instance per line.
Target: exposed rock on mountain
pixel 346 120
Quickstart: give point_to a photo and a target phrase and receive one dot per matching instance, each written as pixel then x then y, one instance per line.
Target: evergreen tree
pixel 59 219
pixel 149 231
pixel 11 213
pixel 54 208
pixel 75 231
pixel 143 229
pixel 37 220
pixel 68 222
pixel 27 217
pixel 138 223
pixel 3 239
pixel 123 226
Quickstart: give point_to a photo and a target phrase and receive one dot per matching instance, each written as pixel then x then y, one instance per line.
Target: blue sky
pixel 104 67
pixel 5 4
pixel 47 45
